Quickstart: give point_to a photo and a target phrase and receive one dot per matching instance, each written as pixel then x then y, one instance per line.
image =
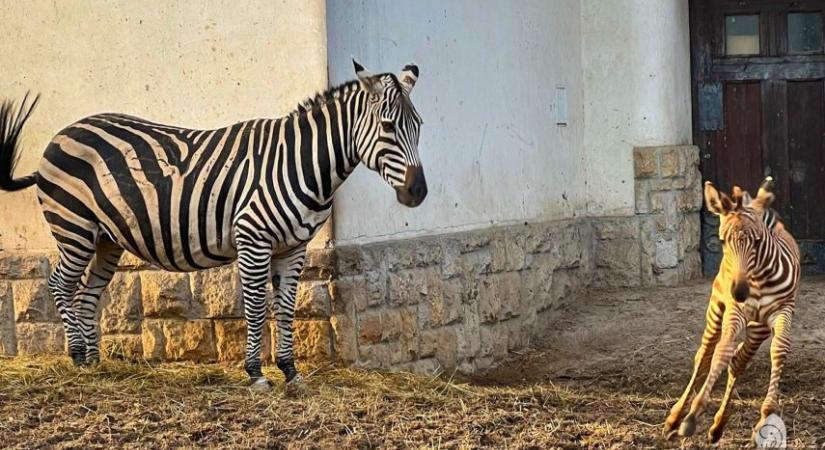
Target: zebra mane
pixel 322 98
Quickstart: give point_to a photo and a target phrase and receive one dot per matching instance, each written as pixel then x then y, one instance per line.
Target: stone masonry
pixel 161 316
pixel 456 301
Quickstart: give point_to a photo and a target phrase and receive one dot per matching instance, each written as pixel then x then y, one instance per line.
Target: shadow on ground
pixel 611 366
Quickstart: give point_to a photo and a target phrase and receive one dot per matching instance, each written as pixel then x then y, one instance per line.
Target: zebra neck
pixel 313 152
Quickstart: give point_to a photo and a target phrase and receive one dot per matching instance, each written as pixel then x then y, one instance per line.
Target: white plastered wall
pixel 492 152
pixel 198 64
pixel 490 146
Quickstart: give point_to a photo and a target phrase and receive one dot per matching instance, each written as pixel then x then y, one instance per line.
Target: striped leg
pixel 780 346
pixel 756 334
pixel 253 266
pixel 63 281
pixel 87 299
pixel 701 364
pixel 732 324
pixel 287 270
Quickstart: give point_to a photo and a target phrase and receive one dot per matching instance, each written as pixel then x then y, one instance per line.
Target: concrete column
pixel 636 63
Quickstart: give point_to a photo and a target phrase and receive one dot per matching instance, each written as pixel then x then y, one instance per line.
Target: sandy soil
pixel 607 373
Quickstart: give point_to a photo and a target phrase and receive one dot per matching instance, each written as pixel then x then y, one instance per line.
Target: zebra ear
pixel 764 198
pixel 368 80
pixel 717 203
pixel 741 197
pixel 408 77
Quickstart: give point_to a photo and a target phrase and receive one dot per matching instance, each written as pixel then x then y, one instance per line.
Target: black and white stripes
pixel 755 293
pixel 184 200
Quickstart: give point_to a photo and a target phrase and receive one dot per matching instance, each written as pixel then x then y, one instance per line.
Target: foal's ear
pixel 717 202
pixel 741 197
pixel 764 198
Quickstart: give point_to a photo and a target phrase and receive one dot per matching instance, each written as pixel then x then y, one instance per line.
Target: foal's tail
pixel 11 123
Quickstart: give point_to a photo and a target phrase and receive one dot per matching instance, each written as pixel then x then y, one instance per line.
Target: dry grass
pixel 592 386
pixel 49 403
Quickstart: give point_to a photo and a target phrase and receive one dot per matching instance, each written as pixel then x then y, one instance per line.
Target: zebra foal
pixel 753 293
pixel 185 199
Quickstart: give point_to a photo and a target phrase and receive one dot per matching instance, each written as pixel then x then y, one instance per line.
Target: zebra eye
pixel 388 127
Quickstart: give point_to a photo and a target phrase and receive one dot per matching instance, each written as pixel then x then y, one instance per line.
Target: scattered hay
pixel 49 403
pixel 593 386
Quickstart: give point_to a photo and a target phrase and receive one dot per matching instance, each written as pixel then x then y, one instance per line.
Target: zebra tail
pixel 11 123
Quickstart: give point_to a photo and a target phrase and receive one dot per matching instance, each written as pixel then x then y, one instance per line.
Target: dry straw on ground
pixel 605 377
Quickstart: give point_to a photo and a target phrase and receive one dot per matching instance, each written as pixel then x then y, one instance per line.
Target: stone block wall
pixel 465 300
pixel 161 316
pixel 457 301
pixel 659 245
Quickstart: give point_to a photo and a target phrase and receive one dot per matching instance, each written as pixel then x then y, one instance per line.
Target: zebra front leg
pixel 732 324
pixel 253 267
pixel 701 364
pixel 287 270
pixel 780 346
pixel 744 352
pixel 86 301
pixel 62 285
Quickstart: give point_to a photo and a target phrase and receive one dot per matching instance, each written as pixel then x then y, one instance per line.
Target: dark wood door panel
pixel 761 111
pixel 806 154
pixel 738 146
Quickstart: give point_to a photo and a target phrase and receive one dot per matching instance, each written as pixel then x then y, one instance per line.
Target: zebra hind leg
pixel 62 284
pixel 86 302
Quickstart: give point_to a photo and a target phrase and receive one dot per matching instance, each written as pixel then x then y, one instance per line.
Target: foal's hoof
pixel 260 384
pixel 688 426
pixel 715 433
pixel 296 387
pixel 669 430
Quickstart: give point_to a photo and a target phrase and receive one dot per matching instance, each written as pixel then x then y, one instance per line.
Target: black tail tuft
pixel 11 123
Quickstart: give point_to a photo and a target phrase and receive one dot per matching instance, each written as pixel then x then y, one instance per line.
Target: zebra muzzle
pixel 740 290
pixel 414 190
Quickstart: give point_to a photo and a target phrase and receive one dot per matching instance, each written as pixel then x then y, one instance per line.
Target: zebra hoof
pixel 716 430
pixel 260 384
pixel 714 434
pixel 296 387
pixel 79 358
pixel 688 427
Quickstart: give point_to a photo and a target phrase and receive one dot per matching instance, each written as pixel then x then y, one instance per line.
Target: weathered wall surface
pixel 197 64
pixel 491 149
pixel 464 300
pixel 636 79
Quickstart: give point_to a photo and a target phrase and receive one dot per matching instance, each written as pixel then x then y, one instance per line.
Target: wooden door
pixel 758 70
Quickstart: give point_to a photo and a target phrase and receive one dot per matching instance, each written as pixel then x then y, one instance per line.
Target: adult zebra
pixel 185 200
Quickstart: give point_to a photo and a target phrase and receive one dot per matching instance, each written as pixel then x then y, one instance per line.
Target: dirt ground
pixel 605 377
